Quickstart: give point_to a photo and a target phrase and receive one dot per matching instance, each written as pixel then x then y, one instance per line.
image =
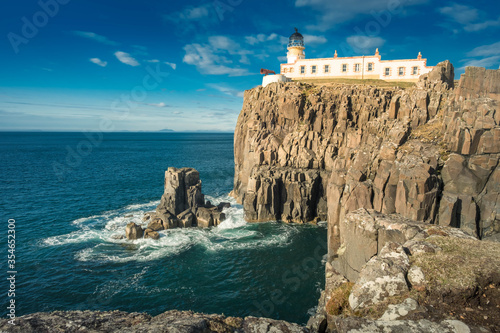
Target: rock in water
pixel 148 233
pixel 182 190
pixel 183 205
pixel 133 231
pixel 187 219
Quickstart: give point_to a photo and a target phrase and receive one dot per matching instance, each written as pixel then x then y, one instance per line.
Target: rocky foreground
pixel 168 322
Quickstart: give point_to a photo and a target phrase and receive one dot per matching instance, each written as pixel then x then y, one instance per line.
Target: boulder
pixel 383 276
pixel 156 224
pixel 223 205
pixel 399 311
pixel 133 231
pixel 168 220
pixel 186 219
pixel 443 72
pixel 148 233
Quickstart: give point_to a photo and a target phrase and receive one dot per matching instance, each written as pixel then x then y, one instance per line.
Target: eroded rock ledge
pixel 118 321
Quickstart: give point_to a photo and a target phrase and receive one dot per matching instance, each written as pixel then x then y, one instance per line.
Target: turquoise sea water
pixel 70 193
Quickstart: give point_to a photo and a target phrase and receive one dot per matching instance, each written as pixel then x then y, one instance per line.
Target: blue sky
pixel 184 65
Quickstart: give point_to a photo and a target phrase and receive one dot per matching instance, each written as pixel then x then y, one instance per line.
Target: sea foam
pixel 98 233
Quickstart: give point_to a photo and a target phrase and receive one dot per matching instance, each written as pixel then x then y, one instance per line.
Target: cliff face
pixel 428 153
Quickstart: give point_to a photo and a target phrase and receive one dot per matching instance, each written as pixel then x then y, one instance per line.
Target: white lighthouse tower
pixel 295 47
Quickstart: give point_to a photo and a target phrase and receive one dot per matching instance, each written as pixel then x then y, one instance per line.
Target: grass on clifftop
pixel 371 82
pixel 460 267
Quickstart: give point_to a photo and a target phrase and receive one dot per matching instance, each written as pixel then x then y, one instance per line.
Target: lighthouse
pixel 295 47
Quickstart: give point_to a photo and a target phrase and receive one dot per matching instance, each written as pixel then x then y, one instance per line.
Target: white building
pixel 364 67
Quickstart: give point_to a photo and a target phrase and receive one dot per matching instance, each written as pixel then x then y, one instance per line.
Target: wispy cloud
pixel 159 105
pixel 95 37
pixel 470 18
pixel 485 50
pixel 314 40
pixel 488 62
pixel 126 58
pixel 365 44
pixel 191 18
pixel 171 64
pixel 262 38
pixel 215 58
pixel 460 13
pixel 331 13
pixel 487 56
pixel 226 90
pixel 99 62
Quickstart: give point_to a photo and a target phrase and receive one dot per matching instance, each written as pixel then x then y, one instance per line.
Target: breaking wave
pixel 99 235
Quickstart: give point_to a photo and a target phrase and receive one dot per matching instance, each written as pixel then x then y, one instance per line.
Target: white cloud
pixel 263 38
pixel 214 58
pixel 365 44
pixel 334 12
pixel 95 37
pixel 171 64
pixel 460 13
pixel 485 50
pixel 487 56
pixel 99 62
pixel 193 18
pixel 482 25
pixel 282 59
pixel 227 91
pixel 314 40
pixel 468 17
pixel 126 58
pixel 159 105
pixel 195 13
pixel 489 62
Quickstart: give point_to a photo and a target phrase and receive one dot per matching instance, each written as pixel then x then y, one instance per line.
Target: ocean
pixel 71 193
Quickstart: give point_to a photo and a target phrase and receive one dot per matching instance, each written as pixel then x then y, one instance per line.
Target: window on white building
pixel 327 68
pixel 415 70
pixel 357 67
pixel 370 66
pixel 401 71
pixel 313 69
pixel 387 71
pixel 344 68
pixel 302 69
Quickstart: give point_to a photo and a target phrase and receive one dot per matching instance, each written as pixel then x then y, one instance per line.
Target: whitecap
pixel 100 232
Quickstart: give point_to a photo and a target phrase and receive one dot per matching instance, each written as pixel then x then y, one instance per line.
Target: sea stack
pixel 182 205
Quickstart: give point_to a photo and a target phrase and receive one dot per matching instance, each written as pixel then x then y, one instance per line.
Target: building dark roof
pixel 296 35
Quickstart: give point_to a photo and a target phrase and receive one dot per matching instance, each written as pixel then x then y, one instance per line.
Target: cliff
pixel 382 166
pixel 429 153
